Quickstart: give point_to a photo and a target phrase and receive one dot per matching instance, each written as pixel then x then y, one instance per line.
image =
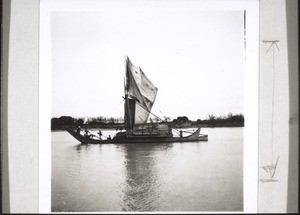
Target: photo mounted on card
pixel 148 106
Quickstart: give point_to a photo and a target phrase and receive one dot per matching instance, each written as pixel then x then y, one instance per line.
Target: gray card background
pixel 278 19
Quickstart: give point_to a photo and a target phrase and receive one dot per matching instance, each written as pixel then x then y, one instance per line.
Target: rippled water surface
pixel 194 176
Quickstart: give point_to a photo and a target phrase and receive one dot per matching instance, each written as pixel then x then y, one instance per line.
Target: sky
pixel 194 57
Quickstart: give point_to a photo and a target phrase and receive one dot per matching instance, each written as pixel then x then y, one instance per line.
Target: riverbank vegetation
pixel 229 120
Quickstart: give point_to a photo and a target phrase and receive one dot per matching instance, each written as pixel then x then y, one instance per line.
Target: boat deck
pixel 196 136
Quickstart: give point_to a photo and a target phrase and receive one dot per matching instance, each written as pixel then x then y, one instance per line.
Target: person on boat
pixel 78 129
pixel 109 137
pixel 100 134
pixel 87 133
pixel 180 133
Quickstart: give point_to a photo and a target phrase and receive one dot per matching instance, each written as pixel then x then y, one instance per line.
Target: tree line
pixel 228 120
pixel 59 123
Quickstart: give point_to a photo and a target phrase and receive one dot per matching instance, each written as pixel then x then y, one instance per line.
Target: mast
pixel 127 114
pixel 127 117
pixel 129 105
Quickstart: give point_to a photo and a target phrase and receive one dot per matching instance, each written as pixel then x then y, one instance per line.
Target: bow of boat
pixel 196 136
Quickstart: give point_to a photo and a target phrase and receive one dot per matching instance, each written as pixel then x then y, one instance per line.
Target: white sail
pixel 142 90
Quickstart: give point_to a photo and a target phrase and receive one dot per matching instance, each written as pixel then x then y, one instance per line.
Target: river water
pixel 193 176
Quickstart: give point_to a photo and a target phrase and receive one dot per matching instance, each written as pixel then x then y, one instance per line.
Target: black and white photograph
pixel 147 106
pixel 150 106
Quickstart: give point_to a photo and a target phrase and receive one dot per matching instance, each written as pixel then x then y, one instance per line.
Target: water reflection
pixel 142 182
pixel 191 176
pixel 80 147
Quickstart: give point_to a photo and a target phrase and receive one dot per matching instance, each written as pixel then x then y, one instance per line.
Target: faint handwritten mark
pixel 273 42
pixel 271 169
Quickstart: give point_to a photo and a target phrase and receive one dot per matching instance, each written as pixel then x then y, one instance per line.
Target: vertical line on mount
pixel 273 44
pixel 273 93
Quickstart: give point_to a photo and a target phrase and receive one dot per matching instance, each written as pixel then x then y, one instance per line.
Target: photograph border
pixel 250 145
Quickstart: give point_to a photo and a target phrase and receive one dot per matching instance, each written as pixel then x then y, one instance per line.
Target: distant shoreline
pixel 230 120
pixel 119 126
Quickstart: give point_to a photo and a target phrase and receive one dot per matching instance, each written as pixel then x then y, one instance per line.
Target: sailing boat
pixel 139 96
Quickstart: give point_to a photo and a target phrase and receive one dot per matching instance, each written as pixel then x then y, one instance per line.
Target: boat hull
pixel 196 136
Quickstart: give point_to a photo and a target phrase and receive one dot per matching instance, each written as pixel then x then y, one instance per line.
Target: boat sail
pixel 139 94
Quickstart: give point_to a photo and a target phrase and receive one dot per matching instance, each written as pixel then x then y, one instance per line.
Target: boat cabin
pixel 149 129
pixel 152 129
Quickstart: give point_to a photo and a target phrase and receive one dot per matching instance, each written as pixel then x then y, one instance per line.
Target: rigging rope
pixel 116 106
pixel 156 116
